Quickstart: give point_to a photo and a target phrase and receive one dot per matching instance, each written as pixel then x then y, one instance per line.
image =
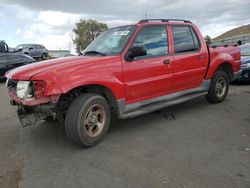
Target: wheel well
pixel 228 69
pixel 66 99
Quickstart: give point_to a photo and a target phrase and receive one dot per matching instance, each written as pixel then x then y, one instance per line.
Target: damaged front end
pixel 32 105
pixel 32 115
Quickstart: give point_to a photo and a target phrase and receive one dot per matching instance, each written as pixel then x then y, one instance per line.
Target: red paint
pixel 135 81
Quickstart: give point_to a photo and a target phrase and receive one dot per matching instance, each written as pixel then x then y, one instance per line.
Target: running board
pixel 159 105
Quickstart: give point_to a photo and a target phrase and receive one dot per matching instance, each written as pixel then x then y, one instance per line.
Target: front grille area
pixel 12 85
pixel 12 93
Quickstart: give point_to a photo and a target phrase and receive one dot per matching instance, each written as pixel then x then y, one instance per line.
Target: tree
pixel 208 39
pixel 86 31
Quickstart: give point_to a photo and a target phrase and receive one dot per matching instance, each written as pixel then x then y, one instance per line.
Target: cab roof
pixel 164 21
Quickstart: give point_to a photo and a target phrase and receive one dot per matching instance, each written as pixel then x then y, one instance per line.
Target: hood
pixel 27 71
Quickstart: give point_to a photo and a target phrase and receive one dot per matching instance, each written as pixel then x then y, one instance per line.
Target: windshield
pixel 111 42
pixel 245 50
pixel 19 46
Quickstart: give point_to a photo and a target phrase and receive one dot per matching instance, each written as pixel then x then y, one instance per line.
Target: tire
pixel 44 56
pixel 219 87
pixel 87 120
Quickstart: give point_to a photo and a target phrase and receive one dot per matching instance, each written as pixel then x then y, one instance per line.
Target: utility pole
pixel 146 14
pixel 69 36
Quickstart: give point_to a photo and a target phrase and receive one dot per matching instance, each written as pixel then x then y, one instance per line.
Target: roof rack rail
pixel 164 20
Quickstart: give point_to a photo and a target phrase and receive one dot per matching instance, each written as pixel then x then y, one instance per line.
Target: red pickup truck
pixel 126 71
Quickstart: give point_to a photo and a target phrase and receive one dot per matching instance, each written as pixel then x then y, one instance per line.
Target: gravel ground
pixel 194 144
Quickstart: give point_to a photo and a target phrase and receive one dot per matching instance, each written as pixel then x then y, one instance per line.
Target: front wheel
pixel 87 119
pixel 219 87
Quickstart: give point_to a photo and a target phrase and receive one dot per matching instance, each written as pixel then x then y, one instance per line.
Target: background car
pixel 33 50
pixel 245 62
pixel 10 61
pixel 3 47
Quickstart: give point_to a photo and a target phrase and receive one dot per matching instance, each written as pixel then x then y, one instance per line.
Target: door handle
pixel 166 62
pixel 201 57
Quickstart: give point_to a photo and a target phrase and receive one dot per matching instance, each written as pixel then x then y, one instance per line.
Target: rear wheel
pixel 219 87
pixel 87 119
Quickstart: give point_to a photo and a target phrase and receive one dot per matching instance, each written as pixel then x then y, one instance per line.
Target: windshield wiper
pixel 94 52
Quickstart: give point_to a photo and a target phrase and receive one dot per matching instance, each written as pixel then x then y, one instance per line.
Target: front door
pixel 149 76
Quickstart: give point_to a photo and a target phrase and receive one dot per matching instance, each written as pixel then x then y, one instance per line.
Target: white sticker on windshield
pixel 121 33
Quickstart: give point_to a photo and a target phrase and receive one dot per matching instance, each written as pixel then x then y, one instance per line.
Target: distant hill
pixel 242 30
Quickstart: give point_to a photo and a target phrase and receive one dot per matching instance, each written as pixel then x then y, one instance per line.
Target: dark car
pixel 9 61
pixel 3 47
pixel 33 50
pixel 245 62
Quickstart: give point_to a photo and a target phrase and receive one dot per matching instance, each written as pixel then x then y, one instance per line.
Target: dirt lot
pixel 194 144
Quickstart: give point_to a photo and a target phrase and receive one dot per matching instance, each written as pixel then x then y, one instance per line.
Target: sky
pixel 50 22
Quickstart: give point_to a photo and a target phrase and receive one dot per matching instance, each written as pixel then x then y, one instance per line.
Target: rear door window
pixel 26 47
pixel 197 43
pixel 37 46
pixel 185 39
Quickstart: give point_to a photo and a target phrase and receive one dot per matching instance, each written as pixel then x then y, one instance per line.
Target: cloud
pixel 216 29
pixel 18 31
pixel 56 42
pixel 50 22
pixel 52 29
pixel 56 18
pixel 113 23
pixel 198 10
pixel 1 15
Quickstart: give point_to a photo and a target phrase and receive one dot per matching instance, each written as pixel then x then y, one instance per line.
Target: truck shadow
pixel 168 114
pixel 52 134
pixel 241 83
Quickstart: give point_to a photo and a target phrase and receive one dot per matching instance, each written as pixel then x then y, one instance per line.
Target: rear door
pixel 149 76
pixel 38 50
pixel 190 58
pixel 32 50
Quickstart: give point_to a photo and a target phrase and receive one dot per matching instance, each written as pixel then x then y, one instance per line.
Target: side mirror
pixel 135 51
